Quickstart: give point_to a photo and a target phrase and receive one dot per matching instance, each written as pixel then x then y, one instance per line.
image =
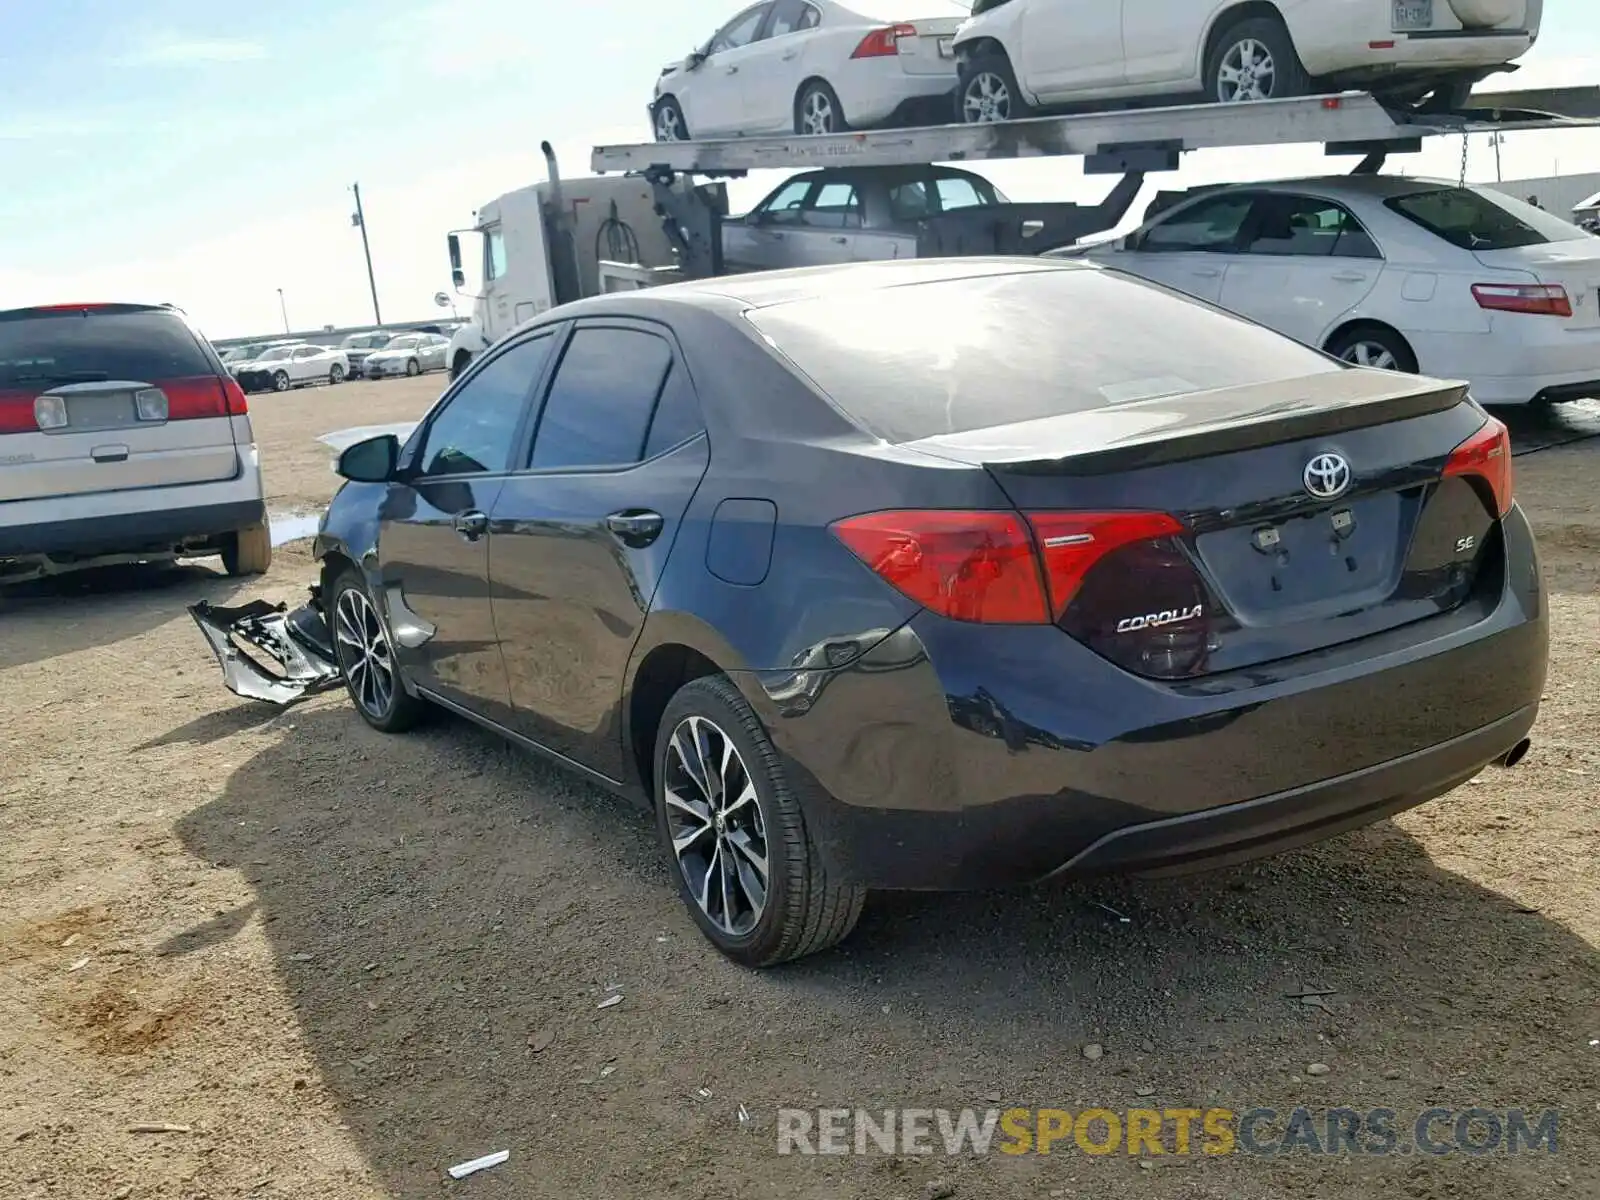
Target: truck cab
pixel 543 245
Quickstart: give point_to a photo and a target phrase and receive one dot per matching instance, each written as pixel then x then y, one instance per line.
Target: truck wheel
pixel 988 91
pixel 248 552
pixel 736 837
pixel 462 361
pixel 1255 59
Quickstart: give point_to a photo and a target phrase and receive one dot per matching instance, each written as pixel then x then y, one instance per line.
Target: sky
pixel 202 154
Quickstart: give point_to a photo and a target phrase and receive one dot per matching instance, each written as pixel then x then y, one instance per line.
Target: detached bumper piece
pixel 296 642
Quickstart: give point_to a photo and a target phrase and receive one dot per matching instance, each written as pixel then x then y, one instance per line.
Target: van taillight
pixel 1486 457
pixel 198 398
pixel 1121 583
pixel 16 413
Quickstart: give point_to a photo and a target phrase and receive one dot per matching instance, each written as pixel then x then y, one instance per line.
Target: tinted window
pixel 677 415
pixel 835 206
pixel 141 346
pixel 1208 225
pixel 918 360
pixel 474 430
pixel 600 402
pixel 791 17
pixel 1307 227
pixel 909 201
pixel 1476 220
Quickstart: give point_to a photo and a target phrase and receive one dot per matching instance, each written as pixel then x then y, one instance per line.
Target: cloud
pixel 180 51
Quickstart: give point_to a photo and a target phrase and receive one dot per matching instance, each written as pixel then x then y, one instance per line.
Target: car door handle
pixel 1351 276
pixel 842 241
pixel 472 524
pixel 733 70
pixel 636 527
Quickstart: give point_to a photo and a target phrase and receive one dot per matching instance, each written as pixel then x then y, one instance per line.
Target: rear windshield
pixel 69 346
pixel 926 359
pixel 1475 220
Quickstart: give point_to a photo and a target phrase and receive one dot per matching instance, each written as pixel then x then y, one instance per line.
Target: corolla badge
pixel 1326 476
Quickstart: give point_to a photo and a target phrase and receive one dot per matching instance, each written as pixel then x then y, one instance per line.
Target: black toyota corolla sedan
pixel 936 574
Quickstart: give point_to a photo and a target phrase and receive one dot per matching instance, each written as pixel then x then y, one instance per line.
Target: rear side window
pixel 68 346
pixel 601 400
pixel 920 360
pixel 1474 220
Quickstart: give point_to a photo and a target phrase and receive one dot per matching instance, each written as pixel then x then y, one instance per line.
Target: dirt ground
pixel 340 962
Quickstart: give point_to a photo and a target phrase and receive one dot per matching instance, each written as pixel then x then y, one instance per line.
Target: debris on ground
pixel 610 1001
pixel 1093 1051
pixel 462 1170
pixel 158 1127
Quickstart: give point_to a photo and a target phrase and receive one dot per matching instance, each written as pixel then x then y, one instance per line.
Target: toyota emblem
pixel 1326 476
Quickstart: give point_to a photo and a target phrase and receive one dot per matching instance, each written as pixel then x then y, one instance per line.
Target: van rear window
pixel 925 359
pixel 70 346
pixel 1473 220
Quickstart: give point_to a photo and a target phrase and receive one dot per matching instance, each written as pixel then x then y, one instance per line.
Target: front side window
pixel 473 432
pixel 834 206
pixel 783 206
pixel 740 31
pixel 1210 225
pixel 601 400
pixel 494 254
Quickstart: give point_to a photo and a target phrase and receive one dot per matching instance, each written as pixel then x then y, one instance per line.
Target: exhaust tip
pixel 1516 754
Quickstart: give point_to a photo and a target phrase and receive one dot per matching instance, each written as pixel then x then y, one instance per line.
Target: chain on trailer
pixel 1130 143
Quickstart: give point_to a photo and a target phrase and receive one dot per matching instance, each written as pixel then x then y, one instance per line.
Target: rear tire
pixel 1260 60
pixel 248 552
pixel 745 814
pixel 1374 346
pixel 366 657
pixel 413 367
pixel 817 110
pixel 988 92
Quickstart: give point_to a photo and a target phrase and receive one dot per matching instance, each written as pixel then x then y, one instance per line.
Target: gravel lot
pixel 343 962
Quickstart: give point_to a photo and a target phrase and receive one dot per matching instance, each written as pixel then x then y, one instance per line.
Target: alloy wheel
pixel 669 128
pixel 280 382
pixel 1247 73
pixel 716 825
pixel 1371 354
pixel 364 652
pixel 816 113
pixel 985 100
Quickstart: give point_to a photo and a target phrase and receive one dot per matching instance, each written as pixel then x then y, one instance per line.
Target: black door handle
pixel 636 527
pixel 472 524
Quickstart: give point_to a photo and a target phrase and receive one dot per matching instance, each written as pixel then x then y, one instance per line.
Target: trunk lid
pixel 1308 512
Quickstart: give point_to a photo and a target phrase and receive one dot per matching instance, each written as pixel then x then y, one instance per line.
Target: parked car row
pixel 823 66
pixel 278 366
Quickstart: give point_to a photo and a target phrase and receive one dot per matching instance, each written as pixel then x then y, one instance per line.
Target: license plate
pixel 98 412
pixel 947 48
pixel 1412 16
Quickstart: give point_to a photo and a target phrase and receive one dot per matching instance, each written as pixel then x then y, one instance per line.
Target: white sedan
pixel 407 354
pixel 280 368
pixel 1020 55
pixel 1403 274
pixel 813 66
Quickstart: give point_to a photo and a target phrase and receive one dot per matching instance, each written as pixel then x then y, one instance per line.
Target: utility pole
pixel 359 220
pixel 284 310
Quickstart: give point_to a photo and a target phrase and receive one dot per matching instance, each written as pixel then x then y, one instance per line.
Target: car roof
pixel 1381 186
pixel 104 308
pixel 762 289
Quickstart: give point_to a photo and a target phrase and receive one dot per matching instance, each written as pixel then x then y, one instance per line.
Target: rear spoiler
pixel 1167 429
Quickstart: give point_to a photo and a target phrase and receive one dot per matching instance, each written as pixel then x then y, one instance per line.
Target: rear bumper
pixel 945 760
pixel 190 516
pixel 1517 361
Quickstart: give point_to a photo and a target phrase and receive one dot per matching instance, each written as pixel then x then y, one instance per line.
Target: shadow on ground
pixel 101 606
pixel 465 910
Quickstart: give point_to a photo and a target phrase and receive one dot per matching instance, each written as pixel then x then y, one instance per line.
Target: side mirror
pixel 756 217
pixel 370 461
pixel 696 57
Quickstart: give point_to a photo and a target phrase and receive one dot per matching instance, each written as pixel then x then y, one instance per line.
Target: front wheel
pixel 366 657
pixel 988 92
pixel 1255 59
pixel 669 123
pixel 746 867
pixel 335 374
pixel 413 367
pixel 280 381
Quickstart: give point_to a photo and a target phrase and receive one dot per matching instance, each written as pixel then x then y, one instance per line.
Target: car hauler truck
pixel 646 217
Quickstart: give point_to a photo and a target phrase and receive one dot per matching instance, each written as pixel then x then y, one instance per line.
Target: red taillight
pixel 994 567
pixel 969 566
pixel 881 43
pixel 1537 299
pixel 16 413
pixel 233 401
pixel 1486 455
pixel 1073 542
pixel 196 398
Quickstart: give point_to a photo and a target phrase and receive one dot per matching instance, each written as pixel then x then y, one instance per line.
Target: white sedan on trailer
pixel 1383 271
pixel 1020 55
pixel 813 66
